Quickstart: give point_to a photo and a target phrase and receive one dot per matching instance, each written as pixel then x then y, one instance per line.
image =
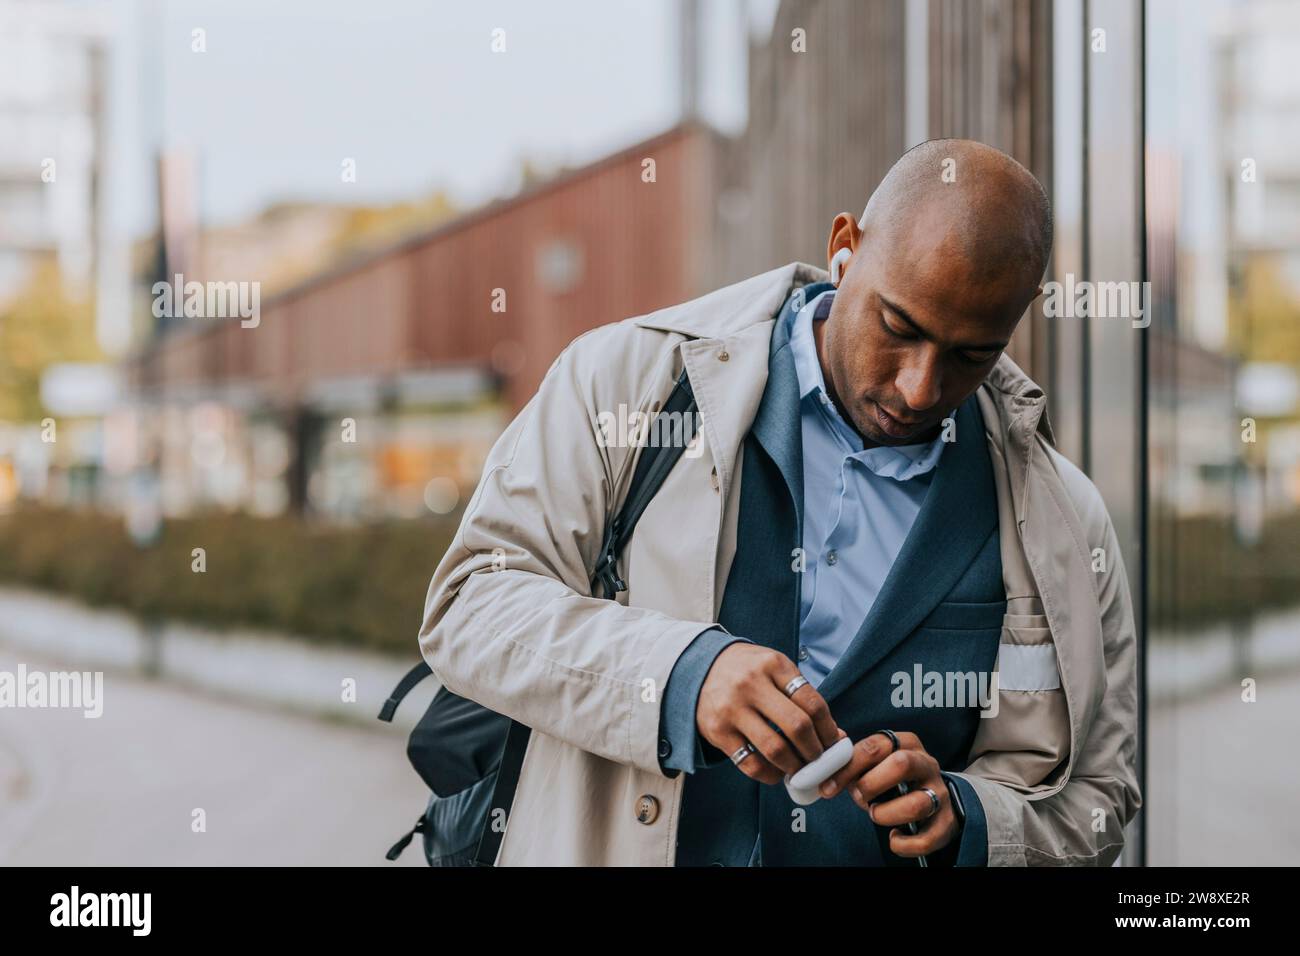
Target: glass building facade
pixel 1166 135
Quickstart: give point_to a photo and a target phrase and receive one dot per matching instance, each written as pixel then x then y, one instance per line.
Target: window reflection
pixel 1223 250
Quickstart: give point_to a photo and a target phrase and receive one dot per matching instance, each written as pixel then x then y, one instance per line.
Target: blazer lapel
pixel 955 520
pixel 777 425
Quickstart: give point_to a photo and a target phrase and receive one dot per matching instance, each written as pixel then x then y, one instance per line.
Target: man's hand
pixel 744 690
pixel 874 771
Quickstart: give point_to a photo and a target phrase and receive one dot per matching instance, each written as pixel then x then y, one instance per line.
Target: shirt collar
pixel 900 462
pixel 804 348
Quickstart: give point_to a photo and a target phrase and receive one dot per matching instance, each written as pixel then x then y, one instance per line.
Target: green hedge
pixel 365 586
pixel 1203 575
pixel 360 586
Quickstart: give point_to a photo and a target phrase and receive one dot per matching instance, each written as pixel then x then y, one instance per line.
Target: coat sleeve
pixel 510 620
pixel 1081 823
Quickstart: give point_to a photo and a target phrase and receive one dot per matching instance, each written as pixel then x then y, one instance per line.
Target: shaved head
pixel 983 204
pixel 936 274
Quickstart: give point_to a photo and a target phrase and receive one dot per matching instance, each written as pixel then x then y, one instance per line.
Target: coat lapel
pixel 956 518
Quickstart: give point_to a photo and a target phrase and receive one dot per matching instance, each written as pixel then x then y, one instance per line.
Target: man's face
pixel 913 331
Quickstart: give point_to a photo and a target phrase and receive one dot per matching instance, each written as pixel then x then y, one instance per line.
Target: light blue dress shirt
pixel 859 505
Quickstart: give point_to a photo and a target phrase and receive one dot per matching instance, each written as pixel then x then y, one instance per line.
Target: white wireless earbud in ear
pixel 837 262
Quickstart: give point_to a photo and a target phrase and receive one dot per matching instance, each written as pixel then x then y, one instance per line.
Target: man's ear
pixel 846 226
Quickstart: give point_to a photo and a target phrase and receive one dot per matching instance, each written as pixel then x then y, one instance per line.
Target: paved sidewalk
pixel 1224 778
pixel 277 788
pixel 284 789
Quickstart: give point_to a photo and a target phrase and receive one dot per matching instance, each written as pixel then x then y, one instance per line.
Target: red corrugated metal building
pixel 406 345
pixel 593 246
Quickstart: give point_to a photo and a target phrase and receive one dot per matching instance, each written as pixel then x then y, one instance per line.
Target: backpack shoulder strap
pixel 412 677
pixel 656 462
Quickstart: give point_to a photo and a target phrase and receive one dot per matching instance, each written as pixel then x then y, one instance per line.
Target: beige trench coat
pixel 510 620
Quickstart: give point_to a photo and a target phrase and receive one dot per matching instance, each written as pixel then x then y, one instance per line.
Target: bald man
pixel 871 538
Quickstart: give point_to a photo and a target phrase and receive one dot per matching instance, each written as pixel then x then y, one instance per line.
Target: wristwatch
pixel 954 794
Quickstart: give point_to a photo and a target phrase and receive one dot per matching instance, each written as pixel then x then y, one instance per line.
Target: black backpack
pixel 471 756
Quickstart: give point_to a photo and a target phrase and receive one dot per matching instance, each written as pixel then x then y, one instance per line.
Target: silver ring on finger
pixel 934 801
pixel 746 751
pixel 794 684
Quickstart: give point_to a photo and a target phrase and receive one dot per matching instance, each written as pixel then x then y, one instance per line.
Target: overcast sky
pixel 411 90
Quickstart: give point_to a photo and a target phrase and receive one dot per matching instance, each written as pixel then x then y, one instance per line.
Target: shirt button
pixel 832 556
pixel 647 809
pixel 665 748
pixel 713 479
pixel 803 653
pixel 723 356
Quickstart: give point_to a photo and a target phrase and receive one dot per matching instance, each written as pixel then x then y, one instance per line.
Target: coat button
pixel 647 809
pixel 724 355
pixel 665 748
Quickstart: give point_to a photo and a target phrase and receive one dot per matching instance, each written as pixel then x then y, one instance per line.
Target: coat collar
pixel 735 307
pixel 735 322
pixel 1011 389
pixel 731 394
pixel 1014 410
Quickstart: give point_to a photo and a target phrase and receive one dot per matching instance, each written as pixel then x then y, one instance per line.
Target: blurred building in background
pixel 1258 101
pixel 376 388
pixel 52 72
pixel 53 62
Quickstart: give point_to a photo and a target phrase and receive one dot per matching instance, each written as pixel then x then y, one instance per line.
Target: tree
pixel 43 325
